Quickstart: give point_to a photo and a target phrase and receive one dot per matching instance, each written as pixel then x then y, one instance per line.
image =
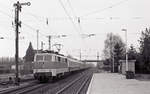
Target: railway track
pixel 78 85
pixel 53 88
pixel 74 84
pixel 19 89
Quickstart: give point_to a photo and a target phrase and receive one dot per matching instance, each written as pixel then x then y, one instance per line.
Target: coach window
pixel 59 59
pixel 62 60
pixel 53 58
pixel 56 59
pixel 65 60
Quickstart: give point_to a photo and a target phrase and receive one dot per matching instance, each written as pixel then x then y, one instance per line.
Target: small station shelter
pixel 122 66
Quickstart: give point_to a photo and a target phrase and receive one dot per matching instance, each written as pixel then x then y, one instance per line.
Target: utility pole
pixel 58 47
pixel 18 7
pixel 97 56
pixel 112 53
pixel 113 61
pixel 49 41
pixel 37 40
pixel 42 45
pixel 80 55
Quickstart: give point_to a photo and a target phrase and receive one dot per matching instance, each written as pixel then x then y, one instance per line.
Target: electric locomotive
pixel 50 65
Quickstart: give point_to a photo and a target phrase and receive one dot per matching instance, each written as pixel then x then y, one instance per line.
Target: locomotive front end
pixel 41 70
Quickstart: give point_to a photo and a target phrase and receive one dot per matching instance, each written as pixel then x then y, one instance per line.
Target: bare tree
pixel 114 49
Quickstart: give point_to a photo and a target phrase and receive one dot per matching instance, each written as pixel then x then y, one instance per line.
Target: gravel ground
pixel 5 78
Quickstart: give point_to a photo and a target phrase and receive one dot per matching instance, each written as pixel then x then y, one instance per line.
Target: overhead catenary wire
pixel 68 13
pixel 4 13
pixel 78 20
pixel 75 16
pixel 37 17
pixel 74 13
pixel 104 9
pixel 28 26
pixel 12 17
pixel 70 18
pixel 42 19
pixel 34 29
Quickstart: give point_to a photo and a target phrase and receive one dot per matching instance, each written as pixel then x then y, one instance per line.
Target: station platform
pixel 114 83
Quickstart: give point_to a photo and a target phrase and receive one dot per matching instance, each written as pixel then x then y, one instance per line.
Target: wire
pixel 34 29
pixel 101 10
pixel 36 16
pixel 2 12
pixel 72 8
pixel 22 22
pixel 78 18
pixel 70 18
pixel 75 16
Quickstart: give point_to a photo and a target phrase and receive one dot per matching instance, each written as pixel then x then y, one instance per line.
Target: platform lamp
pixel 126 48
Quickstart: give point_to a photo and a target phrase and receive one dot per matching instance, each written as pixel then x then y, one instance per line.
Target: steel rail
pixel 85 76
pixel 10 91
pixel 63 89
pixel 81 87
pixel 27 90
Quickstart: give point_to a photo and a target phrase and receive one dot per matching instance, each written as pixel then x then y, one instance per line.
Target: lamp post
pixel 126 49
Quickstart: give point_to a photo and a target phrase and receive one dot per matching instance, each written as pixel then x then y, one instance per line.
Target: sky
pixel 97 17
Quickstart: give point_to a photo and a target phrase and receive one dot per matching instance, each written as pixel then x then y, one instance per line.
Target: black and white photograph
pixel 74 47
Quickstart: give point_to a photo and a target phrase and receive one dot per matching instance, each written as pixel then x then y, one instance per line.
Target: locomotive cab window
pixel 39 57
pixel 48 58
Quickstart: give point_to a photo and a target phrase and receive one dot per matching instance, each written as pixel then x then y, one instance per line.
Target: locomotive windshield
pixel 39 57
pixel 43 57
pixel 48 58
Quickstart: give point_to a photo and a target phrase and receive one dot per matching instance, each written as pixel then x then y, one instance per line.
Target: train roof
pixel 49 52
pixel 57 54
pixel 46 52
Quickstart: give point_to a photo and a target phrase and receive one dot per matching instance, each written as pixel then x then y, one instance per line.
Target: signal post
pixel 18 7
